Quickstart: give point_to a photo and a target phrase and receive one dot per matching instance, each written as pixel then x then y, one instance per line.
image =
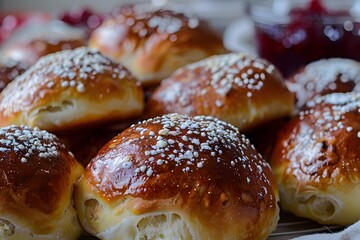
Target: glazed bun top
pixel 31 42
pixel 69 89
pixel 316 160
pixel 321 144
pixel 37 176
pixel 199 170
pixel 323 77
pixel 238 88
pixel 175 154
pixel 153 44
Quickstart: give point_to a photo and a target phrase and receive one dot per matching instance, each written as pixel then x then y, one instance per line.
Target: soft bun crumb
pixel 316 160
pixel 71 89
pixel 153 44
pixel 178 177
pixel 36 186
pixel 241 89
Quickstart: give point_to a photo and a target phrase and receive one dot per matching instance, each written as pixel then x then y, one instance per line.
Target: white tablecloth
pixel 350 233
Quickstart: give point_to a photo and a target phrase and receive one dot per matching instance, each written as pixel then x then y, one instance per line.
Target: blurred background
pixel 220 12
pixel 54 5
pixel 277 30
pixel 288 33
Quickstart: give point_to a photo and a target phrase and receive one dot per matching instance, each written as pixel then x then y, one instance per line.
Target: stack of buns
pixel 173 176
pixel 185 171
pixel 71 92
pixel 239 88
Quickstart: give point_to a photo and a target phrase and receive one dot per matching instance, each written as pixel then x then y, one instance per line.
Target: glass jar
pixel 292 33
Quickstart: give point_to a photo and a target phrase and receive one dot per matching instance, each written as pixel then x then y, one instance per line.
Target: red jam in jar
pixel 293 33
pixel 82 17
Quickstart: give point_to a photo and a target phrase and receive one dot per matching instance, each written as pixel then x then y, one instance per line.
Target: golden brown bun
pixel 36 41
pixel 36 186
pixel 317 160
pixel 323 77
pixel 70 89
pixel 154 44
pixel 238 88
pixel 178 177
pixel 9 70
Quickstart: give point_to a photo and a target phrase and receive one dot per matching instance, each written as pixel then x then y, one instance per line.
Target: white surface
pixel 239 36
pixel 351 233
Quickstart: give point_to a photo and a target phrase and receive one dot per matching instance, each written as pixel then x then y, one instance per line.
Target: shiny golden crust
pixel 238 88
pixel 323 77
pixel 316 160
pixel 9 70
pixel 199 169
pixel 71 89
pixel 36 41
pixel 36 186
pixel 154 44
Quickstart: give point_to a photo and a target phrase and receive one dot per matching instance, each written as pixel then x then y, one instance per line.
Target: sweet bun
pixel 178 177
pixel 71 89
pixel 9 70
pixel 323 77
pixel 34 41
pixel 317 161
pixel 238 88
pixel 153 44
pixel 37 176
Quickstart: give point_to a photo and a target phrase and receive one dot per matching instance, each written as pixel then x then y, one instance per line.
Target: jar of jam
pixel 292 33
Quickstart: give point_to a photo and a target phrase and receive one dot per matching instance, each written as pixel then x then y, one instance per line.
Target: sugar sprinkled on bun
pixel 178 177
pixel 36 186
pixel 316 160
pixel 154 44
pixel 70 89
pixel 238 88
pixel 323 77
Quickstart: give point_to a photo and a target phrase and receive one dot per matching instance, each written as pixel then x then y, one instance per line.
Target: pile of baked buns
pixel 141 131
